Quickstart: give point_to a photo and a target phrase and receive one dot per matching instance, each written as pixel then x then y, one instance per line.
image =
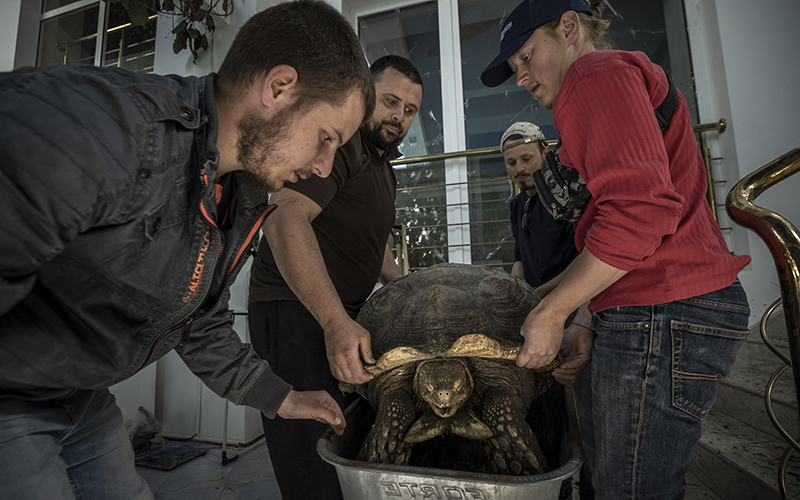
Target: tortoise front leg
pixel 384 443
pixel 514 449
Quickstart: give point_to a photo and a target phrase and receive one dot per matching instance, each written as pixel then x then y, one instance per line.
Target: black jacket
pixel 112 251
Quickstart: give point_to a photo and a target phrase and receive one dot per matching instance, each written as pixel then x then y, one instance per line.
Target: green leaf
pixel 198 15
pixel 193 33
pixel 194 51
pixel 180 27
pixel 176 45
pixel 137 12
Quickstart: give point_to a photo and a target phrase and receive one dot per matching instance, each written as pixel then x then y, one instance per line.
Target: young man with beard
pixel 129 205
pixel 543 246
pixel 543 249
pixel 323 253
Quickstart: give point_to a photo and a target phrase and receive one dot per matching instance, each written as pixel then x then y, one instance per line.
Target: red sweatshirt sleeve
pixel 617 146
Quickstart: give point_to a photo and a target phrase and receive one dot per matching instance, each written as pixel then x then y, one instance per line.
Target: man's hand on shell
pixel 346 344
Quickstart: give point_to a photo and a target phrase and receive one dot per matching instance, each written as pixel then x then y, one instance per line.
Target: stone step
pixel 739 462
pixel 755 353
pixel 698 490
pixel 741 395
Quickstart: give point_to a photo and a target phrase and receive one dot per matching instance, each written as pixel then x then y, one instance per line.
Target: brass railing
pixel 402 254
pixel 719 126
pixel 783 241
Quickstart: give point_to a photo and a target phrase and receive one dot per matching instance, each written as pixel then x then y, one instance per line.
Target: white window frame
pixel 66 9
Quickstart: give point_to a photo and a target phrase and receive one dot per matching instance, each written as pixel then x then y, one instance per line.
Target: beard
pixel 257 149
pixel 527 184
pixel 375 133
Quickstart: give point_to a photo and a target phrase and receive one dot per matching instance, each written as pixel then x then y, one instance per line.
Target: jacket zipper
pixel 237 263
pixel 187 329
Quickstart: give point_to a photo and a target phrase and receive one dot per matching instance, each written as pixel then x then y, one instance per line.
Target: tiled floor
pixel 250 477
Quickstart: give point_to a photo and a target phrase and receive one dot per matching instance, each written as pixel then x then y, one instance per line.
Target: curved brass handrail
pixel 794 445
pixel 783 241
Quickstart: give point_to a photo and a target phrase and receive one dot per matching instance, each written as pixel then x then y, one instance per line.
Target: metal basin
pixel 368 481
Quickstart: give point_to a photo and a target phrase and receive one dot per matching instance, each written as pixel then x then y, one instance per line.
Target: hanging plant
pixel 195 21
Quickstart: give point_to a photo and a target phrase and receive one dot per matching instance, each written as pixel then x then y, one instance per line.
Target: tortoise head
pixel 445 384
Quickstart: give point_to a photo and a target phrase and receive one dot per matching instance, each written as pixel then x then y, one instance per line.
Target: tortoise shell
pixel 448 310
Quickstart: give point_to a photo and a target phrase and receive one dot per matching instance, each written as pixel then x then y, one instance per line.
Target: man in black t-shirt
pixel 325 248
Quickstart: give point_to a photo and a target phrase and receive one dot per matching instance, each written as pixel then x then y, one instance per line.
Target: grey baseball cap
pixel 528 131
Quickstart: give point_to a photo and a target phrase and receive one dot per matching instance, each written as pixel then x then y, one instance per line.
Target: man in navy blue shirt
pixel 544 247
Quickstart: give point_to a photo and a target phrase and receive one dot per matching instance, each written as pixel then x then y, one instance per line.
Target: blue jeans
pixel 68 448
pixel 654 377
pixel 582 391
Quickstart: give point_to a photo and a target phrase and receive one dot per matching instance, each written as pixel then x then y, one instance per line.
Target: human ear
pixel 278 85
pixel 568 27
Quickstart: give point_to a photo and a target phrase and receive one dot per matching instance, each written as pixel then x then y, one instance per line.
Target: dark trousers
pixel 288 337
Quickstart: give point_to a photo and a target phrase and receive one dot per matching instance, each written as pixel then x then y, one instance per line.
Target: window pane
pixel 487 113
pixel 54 4
pixel 69 39
pixel 490 193
pixel 413 32
pixel 421 207
pixel 127 46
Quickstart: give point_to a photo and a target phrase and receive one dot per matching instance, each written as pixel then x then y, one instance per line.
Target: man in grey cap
pixel 543 246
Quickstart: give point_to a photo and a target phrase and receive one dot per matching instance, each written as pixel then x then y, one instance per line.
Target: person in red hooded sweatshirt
pixel 654 281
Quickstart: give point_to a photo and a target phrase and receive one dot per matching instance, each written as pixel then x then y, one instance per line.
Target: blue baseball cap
pixel 518 28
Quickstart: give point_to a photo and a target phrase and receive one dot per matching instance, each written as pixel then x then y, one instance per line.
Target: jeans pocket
pixel 702 355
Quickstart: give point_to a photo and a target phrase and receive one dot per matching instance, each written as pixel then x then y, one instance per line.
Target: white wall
pixel 167 62
pixel 19 29
pixel 747 71
pixel 9 27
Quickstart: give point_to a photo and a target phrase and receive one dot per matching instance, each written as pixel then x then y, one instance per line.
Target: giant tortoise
pixel 445 340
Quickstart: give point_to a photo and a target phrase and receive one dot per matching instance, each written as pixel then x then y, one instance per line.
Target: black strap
pixel 562 191
pixel 667 107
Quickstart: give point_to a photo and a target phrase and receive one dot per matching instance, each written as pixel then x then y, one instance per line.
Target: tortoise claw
pixel 384 443
pixel 514 449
